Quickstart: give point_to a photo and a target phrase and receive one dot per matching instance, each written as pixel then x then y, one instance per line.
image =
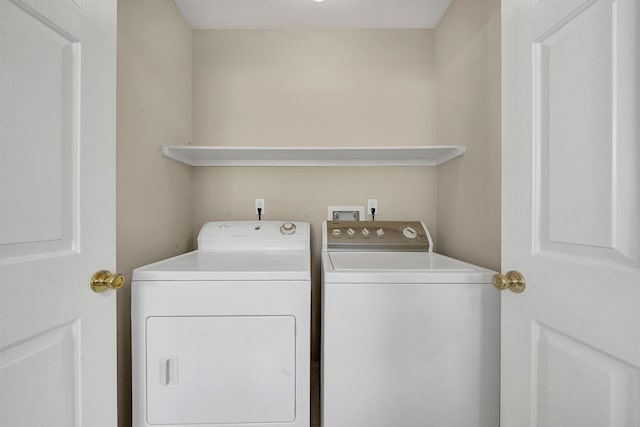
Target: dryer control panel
pixel 376 236
pixel 254 235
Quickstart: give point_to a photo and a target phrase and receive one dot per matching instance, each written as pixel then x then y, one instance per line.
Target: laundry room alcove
pixel 352 92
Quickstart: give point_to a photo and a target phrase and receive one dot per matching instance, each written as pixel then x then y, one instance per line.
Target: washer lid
pixel 230 265
pixel 401 267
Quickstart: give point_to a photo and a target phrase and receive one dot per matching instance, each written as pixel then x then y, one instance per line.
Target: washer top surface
pixel 385 261
pixel 400 267
pixel 239 250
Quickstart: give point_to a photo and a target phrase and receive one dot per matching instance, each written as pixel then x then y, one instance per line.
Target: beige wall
pixel 467 46
pixel 154 194
pixel 352 87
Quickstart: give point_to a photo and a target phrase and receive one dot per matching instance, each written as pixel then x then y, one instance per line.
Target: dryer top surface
pixel 259 265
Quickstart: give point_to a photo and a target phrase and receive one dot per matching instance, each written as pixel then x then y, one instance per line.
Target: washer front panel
pixel 405 355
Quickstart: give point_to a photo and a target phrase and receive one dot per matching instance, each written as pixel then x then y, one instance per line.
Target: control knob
pixel 409 233
pixel 351 232
pixel 380 232
pixel 288 228
pixel 365 232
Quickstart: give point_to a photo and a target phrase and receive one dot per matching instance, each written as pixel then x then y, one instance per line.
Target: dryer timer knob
pixel 288 228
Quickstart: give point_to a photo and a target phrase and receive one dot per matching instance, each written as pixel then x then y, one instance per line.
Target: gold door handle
pixel 513 280
pixel 103 280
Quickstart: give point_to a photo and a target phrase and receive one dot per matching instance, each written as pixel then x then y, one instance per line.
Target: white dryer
pixel 409 337
pixel 221 335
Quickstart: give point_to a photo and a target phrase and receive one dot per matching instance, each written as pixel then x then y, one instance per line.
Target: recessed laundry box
pixel 221 334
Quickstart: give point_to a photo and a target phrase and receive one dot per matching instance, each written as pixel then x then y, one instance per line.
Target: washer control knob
pixel 288 228
pixel 336 232
pixel 380 232
pixel 365 232
pixel 409 232
pixel 351 232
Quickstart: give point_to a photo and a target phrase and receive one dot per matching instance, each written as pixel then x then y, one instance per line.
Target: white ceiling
pixel 284 14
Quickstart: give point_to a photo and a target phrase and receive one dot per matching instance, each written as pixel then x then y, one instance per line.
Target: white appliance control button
pixel 380 232
pixel 288 228
pixel 409 232
pixel 336 232
pixel 351 232
pixel 365 232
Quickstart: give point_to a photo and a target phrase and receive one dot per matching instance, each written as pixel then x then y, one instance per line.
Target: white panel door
pixel 571 213
pixel 57 218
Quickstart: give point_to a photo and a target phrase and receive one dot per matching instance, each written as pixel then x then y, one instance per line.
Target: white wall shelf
pixel 223 155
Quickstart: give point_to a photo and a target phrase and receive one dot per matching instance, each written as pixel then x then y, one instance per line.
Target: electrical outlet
pixel 372 204
pixel 259 205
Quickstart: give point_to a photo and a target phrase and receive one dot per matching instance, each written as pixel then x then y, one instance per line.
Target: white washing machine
pixel 410 338
pixel 221 335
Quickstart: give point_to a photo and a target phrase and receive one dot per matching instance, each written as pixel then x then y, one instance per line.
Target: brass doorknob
pixel 103 280
pixel 513 280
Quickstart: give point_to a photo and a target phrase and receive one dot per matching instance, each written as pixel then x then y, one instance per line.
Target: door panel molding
pixel 610 386
pixel 40 73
